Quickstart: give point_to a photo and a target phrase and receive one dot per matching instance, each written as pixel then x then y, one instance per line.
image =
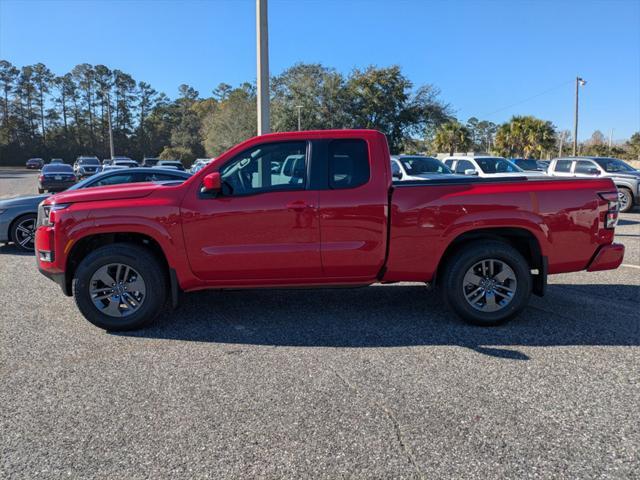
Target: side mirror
pixel 470 171
pixel 397 175
pixel 212 182
pixel 593 171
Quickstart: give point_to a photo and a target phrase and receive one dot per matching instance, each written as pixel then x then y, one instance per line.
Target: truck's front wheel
pixel 487 283
pixel 120 287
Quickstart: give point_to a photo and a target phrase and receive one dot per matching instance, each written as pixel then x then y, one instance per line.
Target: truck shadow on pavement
pixel 399 316
pixel 11 249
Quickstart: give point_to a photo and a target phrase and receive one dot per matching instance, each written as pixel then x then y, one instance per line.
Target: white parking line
pixel 630 266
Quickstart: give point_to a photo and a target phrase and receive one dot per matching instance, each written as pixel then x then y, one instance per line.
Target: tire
pixel 490 302
pixel 625 199
pixel 21 239
pixel 130 309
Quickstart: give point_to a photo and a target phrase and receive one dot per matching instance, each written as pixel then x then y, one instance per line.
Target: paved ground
pixel 377 382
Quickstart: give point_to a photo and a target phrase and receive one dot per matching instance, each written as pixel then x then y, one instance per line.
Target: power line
pixel 527 99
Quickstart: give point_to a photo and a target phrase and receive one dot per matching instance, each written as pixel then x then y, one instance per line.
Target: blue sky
pixel 487 57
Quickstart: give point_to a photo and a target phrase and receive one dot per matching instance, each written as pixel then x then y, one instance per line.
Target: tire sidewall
pixel 627 193
pixel 454 279
pixel 138 259
pixel 14 227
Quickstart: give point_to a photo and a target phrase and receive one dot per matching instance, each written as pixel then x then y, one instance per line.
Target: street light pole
pixel 579 82
pixel 111 149
pixel 262 57
pixel 299 107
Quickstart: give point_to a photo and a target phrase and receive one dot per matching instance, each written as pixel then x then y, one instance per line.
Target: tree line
pixel 46 115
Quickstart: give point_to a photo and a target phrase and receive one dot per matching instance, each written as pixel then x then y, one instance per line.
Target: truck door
pixel 263 225
pixel 353 211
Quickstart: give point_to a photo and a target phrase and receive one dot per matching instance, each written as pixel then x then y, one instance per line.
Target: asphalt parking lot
pixel 376 382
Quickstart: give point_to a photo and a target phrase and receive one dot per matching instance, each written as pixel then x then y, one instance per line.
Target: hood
pixel 630 175
pixel 17 201
pixel 97 194
pixel 517 174
pixel 435 176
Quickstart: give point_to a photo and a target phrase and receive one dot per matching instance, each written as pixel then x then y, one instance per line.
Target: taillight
pixel 41 178
pixel 611 215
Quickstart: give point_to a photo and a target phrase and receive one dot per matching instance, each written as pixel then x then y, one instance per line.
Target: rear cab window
pixel 562 166
pixel 348 163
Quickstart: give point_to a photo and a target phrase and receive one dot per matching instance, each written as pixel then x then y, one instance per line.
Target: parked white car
pixel 487 166
pixel 416 167
pixel 199 164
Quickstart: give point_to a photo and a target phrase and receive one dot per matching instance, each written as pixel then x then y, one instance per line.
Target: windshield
pixel 527 164
pixel 614 165
pixel 497 165
pixel 57 168
pixel 418 165
pixel 89 161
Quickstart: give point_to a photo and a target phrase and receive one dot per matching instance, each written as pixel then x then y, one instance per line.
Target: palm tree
pixel 525 136
pixel 451 137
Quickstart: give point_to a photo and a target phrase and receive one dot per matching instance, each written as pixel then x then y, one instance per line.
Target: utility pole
pixel 299 107
pixel 262 57
pixel 579 82
pixel 111 149
pixel 561 143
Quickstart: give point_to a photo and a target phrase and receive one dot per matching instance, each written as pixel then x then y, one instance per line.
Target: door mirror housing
pixel 593 171
pixel 470 171
pixel 397 175
pixel 212 183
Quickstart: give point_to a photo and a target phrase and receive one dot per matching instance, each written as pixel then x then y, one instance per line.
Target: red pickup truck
pixel 320 209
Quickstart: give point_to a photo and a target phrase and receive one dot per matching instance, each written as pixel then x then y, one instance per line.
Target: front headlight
pixel 48 215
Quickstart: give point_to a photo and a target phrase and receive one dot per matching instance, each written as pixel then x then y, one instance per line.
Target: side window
pixel 584 167
pixel 464 165
pixel 449 163
pixel 348 163
pixel 563 166
pixel 395 170
pixel 155 177
pixel 113 180
pixel 266 167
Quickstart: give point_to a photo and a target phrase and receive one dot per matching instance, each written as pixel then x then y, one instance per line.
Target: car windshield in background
pixel 418 165
pixel 497 165
pixel 57 168
pixel 614 165
pixel 89 161
pixel 528 164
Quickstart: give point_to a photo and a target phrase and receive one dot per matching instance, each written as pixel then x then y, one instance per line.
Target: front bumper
pixel 608 257
pixel 5 223
pixel 54 270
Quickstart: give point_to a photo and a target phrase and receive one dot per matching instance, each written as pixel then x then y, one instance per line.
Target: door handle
pixel 298 206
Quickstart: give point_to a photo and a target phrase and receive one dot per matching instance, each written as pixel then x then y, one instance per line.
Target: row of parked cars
pixel 626 178
pixel 57 176
pixel 18 215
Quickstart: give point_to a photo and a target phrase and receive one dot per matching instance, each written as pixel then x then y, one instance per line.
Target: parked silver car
pixel 626 178
pixel 18 215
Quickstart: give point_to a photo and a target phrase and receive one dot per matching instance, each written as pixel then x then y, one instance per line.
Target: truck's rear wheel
pixel 120 287
pixel 487 283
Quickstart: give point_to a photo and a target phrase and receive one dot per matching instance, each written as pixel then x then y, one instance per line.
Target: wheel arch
pixel 83 246
pixel 522 239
